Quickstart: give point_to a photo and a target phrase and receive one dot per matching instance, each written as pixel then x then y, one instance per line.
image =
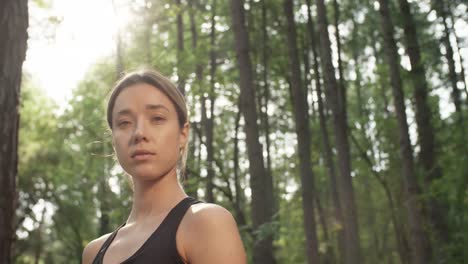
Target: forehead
pixel 137 97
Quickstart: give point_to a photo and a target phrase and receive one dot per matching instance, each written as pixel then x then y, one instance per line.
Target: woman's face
pixel 146 134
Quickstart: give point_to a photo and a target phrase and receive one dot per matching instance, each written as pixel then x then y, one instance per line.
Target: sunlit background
pixel 67 37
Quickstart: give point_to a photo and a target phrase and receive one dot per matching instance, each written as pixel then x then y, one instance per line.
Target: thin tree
pixel 266 92
pixel 427 154
pixel 209 121
pixel 301 116
pixel 328 153
pixel 180 46
pixel 441 10
pixel 260 183
pixel 13 32
pixel 419 242
pixel 239 198
pixel 341 83
pixel 191 183
pixel 457 45
pixel 335 100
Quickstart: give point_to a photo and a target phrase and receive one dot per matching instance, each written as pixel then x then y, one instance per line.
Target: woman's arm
pixel 211 236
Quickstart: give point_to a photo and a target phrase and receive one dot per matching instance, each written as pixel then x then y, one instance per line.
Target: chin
pixel 149 173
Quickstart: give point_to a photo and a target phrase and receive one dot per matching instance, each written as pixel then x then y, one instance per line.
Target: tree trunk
pixel 460 57
pixel 419 243
pixel 361 106
pixel 208 122
pixel 192 185
pixel 301 116
pixel 180 47
pixel 441 10
pixel 329 257
pixel 239 198
pixel 341 83
pixel 266 96
pixel 13 29
pixel 346 192
pixel 260 183
pixel 431 169
pixel 328 153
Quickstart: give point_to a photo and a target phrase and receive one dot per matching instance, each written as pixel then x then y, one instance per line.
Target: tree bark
pixel 13 41
pixel 266 95
pixel 192 185
pixel 441 10
pixel 341 83
pixel 239 198
pixel 180 47
pixel 301 116
pixel 419 242
pixel 260 183
pixel 328 153
pixel 427 155
pixel 460 57
pixel 208 122
pixel 346 192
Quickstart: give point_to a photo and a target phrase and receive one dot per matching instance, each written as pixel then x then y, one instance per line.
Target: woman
pixel 148 119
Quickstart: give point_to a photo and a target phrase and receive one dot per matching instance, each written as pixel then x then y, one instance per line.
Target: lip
pixel 142 154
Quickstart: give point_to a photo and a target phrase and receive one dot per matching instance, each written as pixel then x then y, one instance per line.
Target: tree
pixel 261 185
pixel 427 154
pixel 180 46
pixel 335 101
pixel 441 8
pixel 301 116
pixel 419 242
pixel 13 29
pixel 209 122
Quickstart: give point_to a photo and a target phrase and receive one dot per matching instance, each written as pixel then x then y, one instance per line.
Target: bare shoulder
pixel 91 250
pixel 216 227
pixel 206 212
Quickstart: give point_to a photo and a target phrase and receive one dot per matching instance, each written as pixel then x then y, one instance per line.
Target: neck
pixel 151 198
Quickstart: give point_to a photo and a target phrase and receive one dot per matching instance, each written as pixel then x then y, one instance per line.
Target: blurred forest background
pixel 334 131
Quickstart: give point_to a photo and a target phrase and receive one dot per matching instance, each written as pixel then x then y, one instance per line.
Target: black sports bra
pixel 161 246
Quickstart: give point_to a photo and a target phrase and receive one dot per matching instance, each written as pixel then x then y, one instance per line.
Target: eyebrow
pixel 156 107
pixel 148 107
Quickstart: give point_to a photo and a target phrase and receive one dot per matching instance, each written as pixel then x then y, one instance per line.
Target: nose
pixel 140 132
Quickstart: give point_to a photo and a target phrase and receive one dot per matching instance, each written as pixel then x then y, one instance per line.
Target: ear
pixel 184 134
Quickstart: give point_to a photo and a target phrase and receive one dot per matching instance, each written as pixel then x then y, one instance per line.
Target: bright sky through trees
pixel 86 33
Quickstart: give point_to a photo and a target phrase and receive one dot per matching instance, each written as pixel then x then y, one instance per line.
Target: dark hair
pixel 162 83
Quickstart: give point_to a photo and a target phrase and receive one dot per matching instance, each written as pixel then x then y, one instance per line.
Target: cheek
pixel 119 147
pixel 169 145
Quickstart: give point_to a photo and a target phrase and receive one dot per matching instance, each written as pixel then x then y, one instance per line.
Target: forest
pixel 334 131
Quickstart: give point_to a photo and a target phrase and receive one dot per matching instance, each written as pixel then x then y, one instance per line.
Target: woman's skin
pixel 148 139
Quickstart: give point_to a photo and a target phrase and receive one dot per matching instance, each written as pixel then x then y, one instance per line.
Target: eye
pixel 123 123
pixel 157 119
